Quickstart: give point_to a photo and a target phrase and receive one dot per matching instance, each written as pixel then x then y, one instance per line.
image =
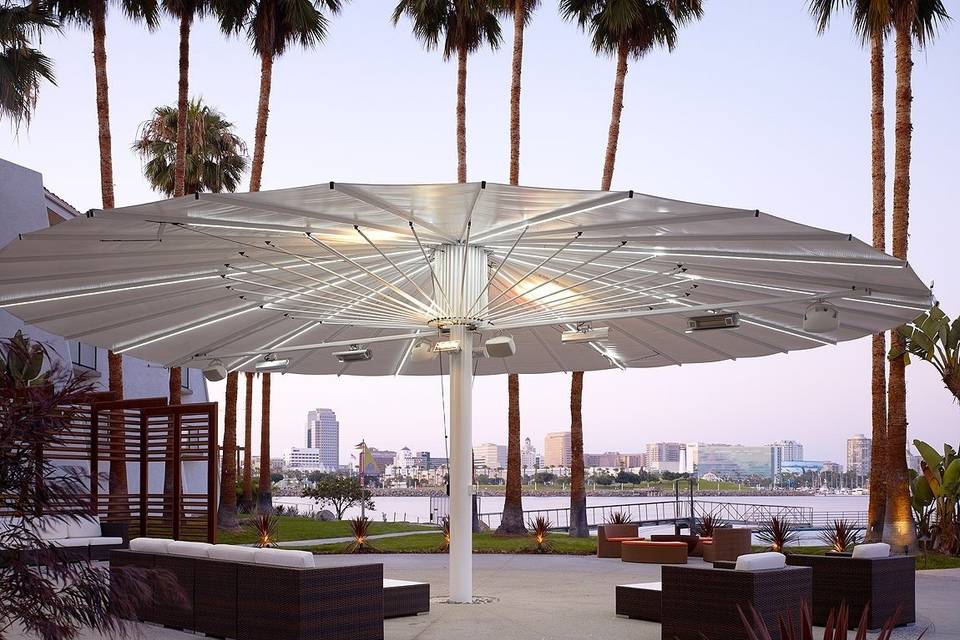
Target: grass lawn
pixel 931 561
pixel 293 528
pixel 482 543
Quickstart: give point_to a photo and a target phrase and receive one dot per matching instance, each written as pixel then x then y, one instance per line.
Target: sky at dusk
pixel 753 109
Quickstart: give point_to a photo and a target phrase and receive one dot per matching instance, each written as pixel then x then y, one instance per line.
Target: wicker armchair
pixel 730 543
pixel 699 601
pixel 882 583
pixel 609 537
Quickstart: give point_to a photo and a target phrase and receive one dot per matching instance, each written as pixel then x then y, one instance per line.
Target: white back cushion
pixel 284 558
pixel 85 526
pixel 232 552
pixel 187 548
pixel 149 545
pixel 761 561
pixel 52 527
pixel 875 550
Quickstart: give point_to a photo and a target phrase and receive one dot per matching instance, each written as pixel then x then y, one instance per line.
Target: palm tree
pixel 628 28
pixel 216 157
pixel 511 521
pixel 265 488
pixel 272 27
pixel 920 20
pixel 92 14
pixel 22 67
pixel 521 11
pixel 227 511
pixel 578 490
pixel 872 24
pixel 247 447
pixel 464 26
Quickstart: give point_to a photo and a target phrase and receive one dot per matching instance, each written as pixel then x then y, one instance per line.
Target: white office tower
pixel 323 434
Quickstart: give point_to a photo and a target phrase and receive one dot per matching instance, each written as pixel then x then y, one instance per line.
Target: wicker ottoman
pixel 653 552
pixel 405 598
pixel 640 601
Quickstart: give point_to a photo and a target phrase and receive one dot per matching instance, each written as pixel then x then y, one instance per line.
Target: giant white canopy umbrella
pixel 299 274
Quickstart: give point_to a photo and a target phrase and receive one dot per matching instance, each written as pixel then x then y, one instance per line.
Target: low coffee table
pixel 640 601
pixel 405 598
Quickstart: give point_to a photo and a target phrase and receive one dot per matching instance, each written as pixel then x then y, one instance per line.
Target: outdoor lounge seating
pixel 405 598
pixel 713 595
pixel 692 541
pixel 641 601
pixel 260 594
pixel 610 536
pixel 883 583
pixel 74 538
pixel 728 543
pixel 654 552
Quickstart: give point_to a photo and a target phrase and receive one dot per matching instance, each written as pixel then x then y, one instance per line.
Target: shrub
pixel 617 517
pixel 835 628
pixel 360 528
pixel 708 524
pixel 539 528
pixel 841 536
pixel 779 533
pixel 264 526
pixel 445 527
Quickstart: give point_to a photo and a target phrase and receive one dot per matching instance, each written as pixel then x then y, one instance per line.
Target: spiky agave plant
pixel 445 528
pixel 264 526
pixel 708 524
pixel 834 629
pixel 841 536
pixel 539 529
pixel 779 533
pixel 617 517
pixel 360 529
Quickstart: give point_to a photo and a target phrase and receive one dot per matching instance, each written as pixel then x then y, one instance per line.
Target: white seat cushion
pixel 52 527
pixel 71 542
pixel 232 552
pixel 284 558
pixel 645 586
pixel 761 561
pixel 85 526
pixel 389 582
pixel 100 541
pixel 874 550
pixel 149 545
pixel 187 548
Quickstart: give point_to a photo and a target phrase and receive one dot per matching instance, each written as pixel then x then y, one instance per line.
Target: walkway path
pixel 318 541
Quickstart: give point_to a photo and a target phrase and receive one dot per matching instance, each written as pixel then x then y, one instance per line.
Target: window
pixel 83 355
pixel 184 378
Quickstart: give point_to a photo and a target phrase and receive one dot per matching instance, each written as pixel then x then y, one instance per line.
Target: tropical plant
pixel 872 22
pixel 272 27
pixel 521 11
pixel 708 524
pixel 247 499
pixel 540 530
pixel 464 26
pixel 931 336
pixel 841 536
pixel 216 156
pixel 22 67
pixel 264 526
pixel 360 530
pixel 920 21
pixel 834 629
pixel 511 520
pixel 935 496
pixel 227 510
pixel 445 530
pixel 265 482
pixel 578 489
pixel 617 517
pixel 41 594
pixel 339 493
pixel 779 533
pixel 625 29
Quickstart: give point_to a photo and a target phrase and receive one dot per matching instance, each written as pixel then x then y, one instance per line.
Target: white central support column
pixel 461 467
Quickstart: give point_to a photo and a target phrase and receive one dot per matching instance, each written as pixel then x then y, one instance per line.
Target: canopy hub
pixel 461 272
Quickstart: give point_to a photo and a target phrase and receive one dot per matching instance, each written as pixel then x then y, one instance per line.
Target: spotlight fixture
pixel 584 333
pixel 447 346
pixel 500 347
pixel 715 321
pixel 215 371
pixel 422 351
pixel 356 353
pixel 821 317
pixel 270 363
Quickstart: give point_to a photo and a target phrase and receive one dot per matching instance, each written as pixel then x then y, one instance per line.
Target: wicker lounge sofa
pixel 883 582
pixel 773 589
pixel 692 541
pixel 727 543
pixel 654 552
pixel 610 536
pixel 640 601
pixel 405 598
pixel 260 594
pixel 79 537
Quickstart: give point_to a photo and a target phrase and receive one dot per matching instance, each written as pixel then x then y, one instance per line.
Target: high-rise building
pixel 790 450
pixel 556 449
pixel 858 454
pixel 733 461
pixel 491 456
pixel 323 433
pixel 611 459
pixel 529 456
pixel 664 456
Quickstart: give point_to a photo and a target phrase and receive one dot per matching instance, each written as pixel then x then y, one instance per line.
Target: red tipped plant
pixel 835 628
pixel 360 528
pixel 841 536
pixel 539 530
pixel 264 526
pixel 617 517
pixel 779 533
pixel 708 524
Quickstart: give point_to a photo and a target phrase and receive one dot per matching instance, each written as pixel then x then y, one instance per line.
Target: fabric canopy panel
pixel 301 273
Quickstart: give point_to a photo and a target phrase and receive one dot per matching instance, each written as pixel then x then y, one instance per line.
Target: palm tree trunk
pixel 175 380
pixel 247 448
pixel 578 491
pixel 511 521
pixel 519 16
pixel 263 112
pixel 180 162
pixel 613 136
pixel 461 115
pixel 265 490
pixel 878 379
pixel 899 530
pixel 227 510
